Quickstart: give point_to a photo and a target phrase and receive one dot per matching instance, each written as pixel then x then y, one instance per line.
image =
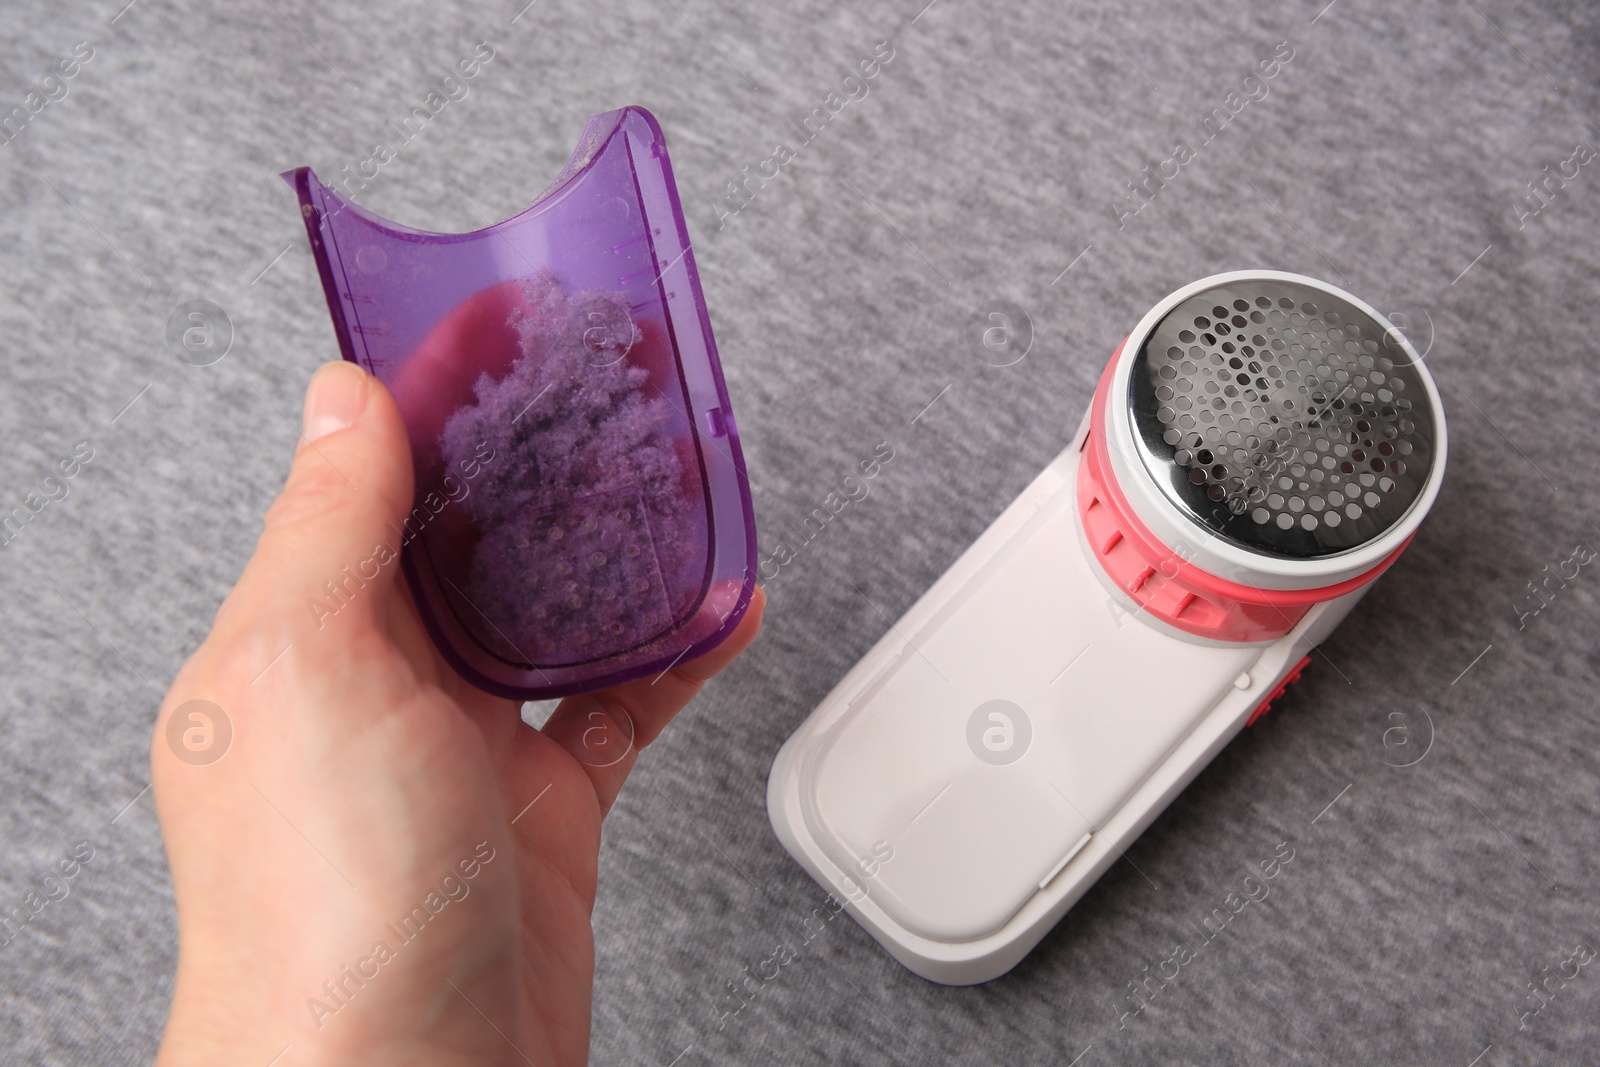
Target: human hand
pixel 386 865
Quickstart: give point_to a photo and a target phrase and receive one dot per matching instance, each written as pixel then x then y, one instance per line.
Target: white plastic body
pixel 959 863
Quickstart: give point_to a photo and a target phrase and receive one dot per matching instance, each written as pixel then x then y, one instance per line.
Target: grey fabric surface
pixel 1390 155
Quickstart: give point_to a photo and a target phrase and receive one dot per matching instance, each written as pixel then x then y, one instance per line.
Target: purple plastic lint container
pixel 582 514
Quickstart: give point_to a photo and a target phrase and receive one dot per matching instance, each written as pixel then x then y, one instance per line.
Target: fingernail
pixel 335 399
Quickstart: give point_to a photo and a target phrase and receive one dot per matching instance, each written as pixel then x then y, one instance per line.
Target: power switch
pixel 1288 680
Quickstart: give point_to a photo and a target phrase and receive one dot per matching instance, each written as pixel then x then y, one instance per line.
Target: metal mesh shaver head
pixel 1283 418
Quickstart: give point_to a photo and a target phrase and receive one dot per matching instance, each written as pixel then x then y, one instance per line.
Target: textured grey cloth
pixel 1391 154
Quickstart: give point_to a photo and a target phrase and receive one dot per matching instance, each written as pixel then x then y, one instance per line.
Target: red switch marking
pixel 1288 680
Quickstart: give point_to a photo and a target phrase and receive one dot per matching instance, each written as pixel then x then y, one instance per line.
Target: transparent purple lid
pixel 582 513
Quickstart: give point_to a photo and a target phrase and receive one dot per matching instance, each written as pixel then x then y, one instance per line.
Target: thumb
pixel 330 541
